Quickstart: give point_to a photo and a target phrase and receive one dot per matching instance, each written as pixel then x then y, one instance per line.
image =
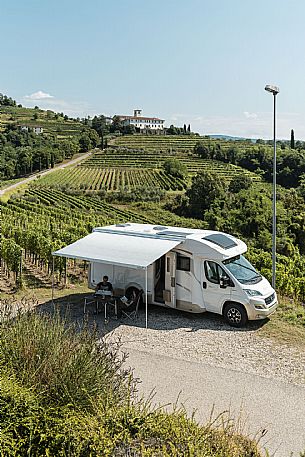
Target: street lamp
pixel 274 90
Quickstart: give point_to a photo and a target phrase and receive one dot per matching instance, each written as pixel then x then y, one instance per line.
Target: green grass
pixel 292 312
pixel 287 324
pixel 9 182
pixel 62 394
pixel 5 197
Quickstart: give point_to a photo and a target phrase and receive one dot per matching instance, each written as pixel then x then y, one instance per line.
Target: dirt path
pixel 43 173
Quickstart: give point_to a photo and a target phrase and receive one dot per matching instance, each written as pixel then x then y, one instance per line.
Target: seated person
pixel 127 304
pixel 104 285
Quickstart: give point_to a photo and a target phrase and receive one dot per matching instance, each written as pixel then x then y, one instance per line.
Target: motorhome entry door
pixel 170 279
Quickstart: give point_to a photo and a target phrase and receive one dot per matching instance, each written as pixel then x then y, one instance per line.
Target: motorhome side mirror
pixel 224 282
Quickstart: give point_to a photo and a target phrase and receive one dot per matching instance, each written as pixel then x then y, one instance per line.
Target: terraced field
pixel 151 159
pixel 62 128
pixel 118 169
pixel 112 179
pixel 168 143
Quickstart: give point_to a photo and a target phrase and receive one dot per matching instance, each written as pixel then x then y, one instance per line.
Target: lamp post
pixel 274 91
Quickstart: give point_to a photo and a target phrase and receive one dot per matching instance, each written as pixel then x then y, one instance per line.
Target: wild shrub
pixel 61 361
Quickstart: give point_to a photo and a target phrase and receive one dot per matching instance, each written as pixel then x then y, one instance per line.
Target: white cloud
pixel 39 95
pixel 250 115
pixel 49 102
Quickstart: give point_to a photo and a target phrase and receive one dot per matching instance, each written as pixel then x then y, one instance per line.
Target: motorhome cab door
pixel 170 279
pixel 213 295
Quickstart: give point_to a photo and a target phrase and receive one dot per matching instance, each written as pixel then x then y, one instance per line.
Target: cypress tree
pixel 292 139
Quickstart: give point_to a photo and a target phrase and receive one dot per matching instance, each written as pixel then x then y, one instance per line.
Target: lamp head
pixel 273 89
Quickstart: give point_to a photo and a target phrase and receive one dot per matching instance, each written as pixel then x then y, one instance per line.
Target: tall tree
pixel 292 139
pixel 206 188
pixel 189 128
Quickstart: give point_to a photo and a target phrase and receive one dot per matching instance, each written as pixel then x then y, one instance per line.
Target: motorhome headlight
pixel 253 293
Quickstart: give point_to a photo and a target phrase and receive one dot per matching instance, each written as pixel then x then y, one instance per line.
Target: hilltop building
pixel 108 120
pixel 142 122
pixel 36 129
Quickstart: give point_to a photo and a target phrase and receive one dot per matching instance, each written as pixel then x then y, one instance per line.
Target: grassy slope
pixel 8 182
pixel 287 325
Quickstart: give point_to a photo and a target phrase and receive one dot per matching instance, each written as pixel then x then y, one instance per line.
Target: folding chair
pixel 132 306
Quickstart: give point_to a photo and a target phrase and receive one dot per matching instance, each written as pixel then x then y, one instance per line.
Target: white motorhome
pixel 198 271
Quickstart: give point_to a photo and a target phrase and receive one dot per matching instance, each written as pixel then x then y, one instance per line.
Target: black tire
pixel 235 315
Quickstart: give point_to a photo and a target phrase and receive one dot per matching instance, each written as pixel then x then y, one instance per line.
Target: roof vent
pixel 159 227
pixel 123 225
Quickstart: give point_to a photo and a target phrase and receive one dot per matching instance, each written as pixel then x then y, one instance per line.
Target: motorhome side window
pixel 213 272
pixel 183 263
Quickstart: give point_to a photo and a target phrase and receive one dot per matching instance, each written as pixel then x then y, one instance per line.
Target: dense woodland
pixel 259 159
pixel 23 152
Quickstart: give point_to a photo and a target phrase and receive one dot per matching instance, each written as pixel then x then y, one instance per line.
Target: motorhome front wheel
pixel 235 315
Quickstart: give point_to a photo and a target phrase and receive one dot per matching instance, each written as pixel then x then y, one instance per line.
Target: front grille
pixel 269 299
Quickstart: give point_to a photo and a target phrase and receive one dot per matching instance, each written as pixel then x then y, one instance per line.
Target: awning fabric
pixel 118 249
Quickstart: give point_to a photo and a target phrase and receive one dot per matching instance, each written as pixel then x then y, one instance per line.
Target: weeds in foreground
pixel 62 394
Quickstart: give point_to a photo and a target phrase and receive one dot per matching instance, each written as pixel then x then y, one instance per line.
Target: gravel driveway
pixel 206 338
pixel 210 366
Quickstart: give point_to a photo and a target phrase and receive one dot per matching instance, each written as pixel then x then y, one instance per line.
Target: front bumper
pixel 256 310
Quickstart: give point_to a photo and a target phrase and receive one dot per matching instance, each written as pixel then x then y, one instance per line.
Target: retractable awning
pixel 118 249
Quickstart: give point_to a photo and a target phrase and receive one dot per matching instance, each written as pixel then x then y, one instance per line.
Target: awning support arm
pixel 146 301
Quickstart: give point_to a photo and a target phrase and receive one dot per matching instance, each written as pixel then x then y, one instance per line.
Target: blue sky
pixel 201 62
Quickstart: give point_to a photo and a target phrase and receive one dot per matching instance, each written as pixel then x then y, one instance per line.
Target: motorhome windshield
pixel 242 270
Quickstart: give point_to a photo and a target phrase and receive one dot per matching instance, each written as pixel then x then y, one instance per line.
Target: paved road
pixel 43 173
pixel 265 403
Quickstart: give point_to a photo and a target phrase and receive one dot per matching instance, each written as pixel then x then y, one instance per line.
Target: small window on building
pixel 183 263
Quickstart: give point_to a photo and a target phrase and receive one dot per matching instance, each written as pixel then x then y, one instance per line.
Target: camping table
pixel 106 300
